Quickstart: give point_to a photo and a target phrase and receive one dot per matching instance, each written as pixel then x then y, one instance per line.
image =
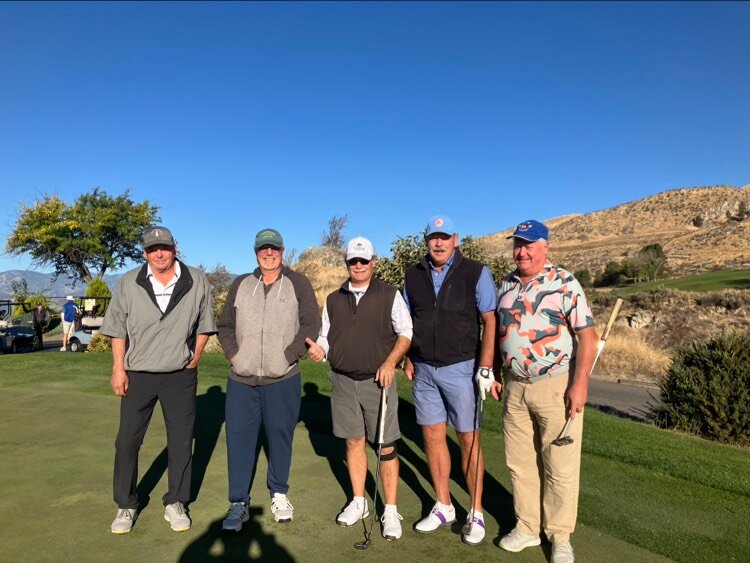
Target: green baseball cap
pixel 268 236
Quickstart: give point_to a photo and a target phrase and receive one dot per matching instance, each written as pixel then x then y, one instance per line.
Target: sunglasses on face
pixel 355 261
pixel 269 247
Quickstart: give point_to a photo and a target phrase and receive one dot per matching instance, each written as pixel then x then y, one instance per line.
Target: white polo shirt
pixel 163 293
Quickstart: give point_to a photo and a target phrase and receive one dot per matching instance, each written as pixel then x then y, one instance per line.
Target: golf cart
pixel 87 325
pixel 14 335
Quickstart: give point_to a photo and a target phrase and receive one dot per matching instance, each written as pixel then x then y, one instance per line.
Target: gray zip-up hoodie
pixel 159 342
pixel 263 329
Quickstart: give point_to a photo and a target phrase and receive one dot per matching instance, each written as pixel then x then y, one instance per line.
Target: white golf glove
pixel 484 378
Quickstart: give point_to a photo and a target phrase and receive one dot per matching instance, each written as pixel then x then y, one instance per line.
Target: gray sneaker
pixel 282 509
pixel 124 520
pixel 237 515
pixel 177 517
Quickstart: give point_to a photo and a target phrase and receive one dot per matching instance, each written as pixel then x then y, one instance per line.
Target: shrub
pixel 100 343
pixel 707 389
pixel 97 288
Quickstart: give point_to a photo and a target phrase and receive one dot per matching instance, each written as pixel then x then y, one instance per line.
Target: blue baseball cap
pixel 531 230
pixel 440 224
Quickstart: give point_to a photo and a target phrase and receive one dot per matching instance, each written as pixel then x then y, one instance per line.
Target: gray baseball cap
pixel 157 235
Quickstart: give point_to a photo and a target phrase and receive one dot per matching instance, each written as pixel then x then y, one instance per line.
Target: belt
pixel 538 378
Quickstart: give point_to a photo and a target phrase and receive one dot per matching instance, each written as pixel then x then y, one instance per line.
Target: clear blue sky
pixel 233 117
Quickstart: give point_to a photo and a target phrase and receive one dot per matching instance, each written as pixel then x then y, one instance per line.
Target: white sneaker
pixel 282 509
pixel 515 541
pixel 237 515
pixel 353 513
pixel 124 520
pixel 473 531
pixel 441 515
pixel 391 521
pixel 562 552
pixel 62 349
pixel 178 519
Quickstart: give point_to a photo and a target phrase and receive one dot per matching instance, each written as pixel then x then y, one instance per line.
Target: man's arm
pixel 578 391
pixel 119 381
pixel 387 370
pixel 200 343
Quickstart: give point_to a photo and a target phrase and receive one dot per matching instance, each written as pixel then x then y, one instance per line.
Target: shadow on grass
pixel 316 414
pixel 209 418
pixel 496 499
pixel 250 544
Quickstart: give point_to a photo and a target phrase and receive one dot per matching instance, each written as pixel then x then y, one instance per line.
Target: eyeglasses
pixel 355 261
pixel 268 247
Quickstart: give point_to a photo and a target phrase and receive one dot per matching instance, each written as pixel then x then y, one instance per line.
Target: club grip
pixel 612 318
pixel 383 412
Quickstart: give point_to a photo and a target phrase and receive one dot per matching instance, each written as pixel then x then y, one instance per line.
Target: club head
pixel 563 441
pixel 466 529
pixel 362 544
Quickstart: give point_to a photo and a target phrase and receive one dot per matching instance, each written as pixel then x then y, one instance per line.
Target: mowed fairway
pixel 646 494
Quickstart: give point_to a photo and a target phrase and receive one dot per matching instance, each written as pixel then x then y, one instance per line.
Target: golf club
pixel 379 440
pixel 466 529
pixel 565 438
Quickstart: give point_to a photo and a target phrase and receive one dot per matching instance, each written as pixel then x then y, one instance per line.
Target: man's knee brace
pixel 393 454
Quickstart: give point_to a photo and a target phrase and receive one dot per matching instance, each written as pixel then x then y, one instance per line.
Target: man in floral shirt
pixel 548 342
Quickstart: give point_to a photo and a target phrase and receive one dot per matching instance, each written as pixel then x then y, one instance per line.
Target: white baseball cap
pixel 69 298
pixel 359 247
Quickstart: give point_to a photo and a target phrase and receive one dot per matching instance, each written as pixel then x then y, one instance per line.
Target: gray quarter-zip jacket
pixel 263 330
pixel 159 342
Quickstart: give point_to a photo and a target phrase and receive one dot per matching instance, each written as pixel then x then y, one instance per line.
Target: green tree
pixel 584 277
pixel 407 251
pixel 98 232
pixel 98 288
pixel 650 262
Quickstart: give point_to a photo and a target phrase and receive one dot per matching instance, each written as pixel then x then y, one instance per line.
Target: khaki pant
pixel 544 477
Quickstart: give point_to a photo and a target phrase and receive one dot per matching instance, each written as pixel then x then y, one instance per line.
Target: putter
pixel 565 438
pixel 466 528
pixel 379 440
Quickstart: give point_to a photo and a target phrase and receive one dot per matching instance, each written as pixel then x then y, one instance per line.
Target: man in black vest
pixel 365 333
pixel 450 296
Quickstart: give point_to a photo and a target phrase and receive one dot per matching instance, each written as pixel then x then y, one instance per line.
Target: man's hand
pixel 193 363
pixel 484 378
pixel 119 382
pixel 316 352
pixel 385 374
pixel 409 369
pixel 576 398
pixel 496 390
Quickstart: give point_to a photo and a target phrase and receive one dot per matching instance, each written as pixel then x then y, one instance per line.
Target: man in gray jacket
pixel 262 328
pixel 159 318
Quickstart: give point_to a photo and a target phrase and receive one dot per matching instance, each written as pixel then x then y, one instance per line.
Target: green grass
pixel 709 281
pixel 646 494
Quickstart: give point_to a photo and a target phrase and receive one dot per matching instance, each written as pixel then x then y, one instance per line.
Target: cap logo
pixel 439 222
pixel 524 227
pixel 156 233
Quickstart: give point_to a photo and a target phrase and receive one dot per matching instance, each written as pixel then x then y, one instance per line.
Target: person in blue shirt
pixel 69 313
pixel 450 297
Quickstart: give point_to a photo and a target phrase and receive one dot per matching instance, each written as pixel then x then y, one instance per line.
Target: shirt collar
pixel 548 266
pixel 358 289
pixel 177 270
pixel 447 265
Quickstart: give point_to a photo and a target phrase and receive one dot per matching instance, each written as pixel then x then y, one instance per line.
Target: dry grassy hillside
pixel 592 240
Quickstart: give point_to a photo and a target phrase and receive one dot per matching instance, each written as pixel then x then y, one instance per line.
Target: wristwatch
pixel 486 372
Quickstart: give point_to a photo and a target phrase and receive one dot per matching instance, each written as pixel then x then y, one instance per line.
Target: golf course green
pixel 646 494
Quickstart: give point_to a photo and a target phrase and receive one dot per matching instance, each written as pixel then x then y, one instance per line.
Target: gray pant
pixel 176 393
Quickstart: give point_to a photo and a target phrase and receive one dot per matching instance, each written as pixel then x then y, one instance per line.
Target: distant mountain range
pixel 38 281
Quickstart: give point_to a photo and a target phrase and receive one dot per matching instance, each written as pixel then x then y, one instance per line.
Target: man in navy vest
pixel 450 297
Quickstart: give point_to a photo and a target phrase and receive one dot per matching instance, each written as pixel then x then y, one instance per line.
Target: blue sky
pixel 238 116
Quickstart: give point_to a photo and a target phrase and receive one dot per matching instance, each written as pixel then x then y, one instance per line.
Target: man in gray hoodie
pixel 159 318
pixel 262 328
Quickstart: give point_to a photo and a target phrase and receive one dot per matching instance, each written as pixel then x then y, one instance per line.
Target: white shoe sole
pixel 345 525
pixel 531 543
pixel 120 532
pixel 283 520
pixel 184 529
pixel 441 525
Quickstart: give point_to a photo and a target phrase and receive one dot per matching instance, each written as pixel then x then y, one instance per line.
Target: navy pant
pixel 276 407
pixel 176 393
